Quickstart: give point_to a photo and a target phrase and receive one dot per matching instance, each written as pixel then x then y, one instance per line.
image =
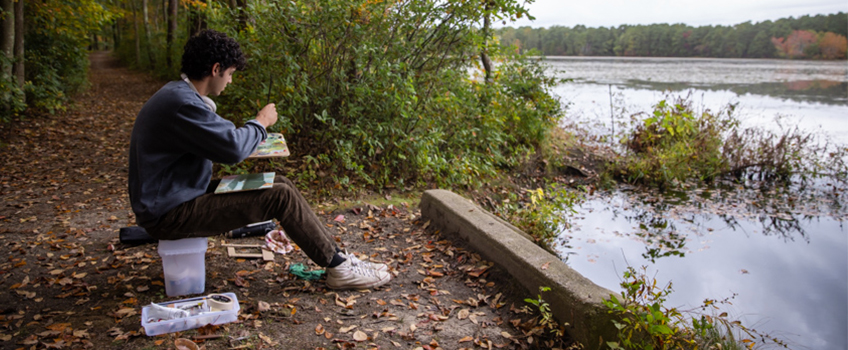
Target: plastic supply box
pixel 184 265
pixel 156 327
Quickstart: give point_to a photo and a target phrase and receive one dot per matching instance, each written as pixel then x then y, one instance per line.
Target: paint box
pixel 201 315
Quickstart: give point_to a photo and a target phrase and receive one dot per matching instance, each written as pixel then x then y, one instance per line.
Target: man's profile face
pixel 220 79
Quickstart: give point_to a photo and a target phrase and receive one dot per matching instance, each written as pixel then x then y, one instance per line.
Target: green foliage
pixel 547 321
pixel 56 58
pixel 11 96
pixel 674 145
pixel 676 40
pixel 645 322
pixel 540 214
pixel 379 93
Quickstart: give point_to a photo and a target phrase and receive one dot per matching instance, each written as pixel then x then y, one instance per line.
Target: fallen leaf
pixel 59 327
pixel 263 306
pixel 545 265
pixel 267 339
pixel 360 336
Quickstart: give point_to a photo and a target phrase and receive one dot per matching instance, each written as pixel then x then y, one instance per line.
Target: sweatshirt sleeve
pixel 210 136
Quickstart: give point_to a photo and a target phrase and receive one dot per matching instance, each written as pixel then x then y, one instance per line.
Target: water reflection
pixel 784 253
pixel 829 92
pixel 784 259
pixel 608 90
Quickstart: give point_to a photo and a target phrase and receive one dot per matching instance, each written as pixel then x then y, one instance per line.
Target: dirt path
pixel 67 282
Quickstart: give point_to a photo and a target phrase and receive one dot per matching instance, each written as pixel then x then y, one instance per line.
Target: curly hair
pixel 205 49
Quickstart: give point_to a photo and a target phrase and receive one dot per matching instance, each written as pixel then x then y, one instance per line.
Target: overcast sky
pixel 612 13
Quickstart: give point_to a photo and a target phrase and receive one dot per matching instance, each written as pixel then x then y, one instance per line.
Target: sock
pixel 338 250
pixel 337 260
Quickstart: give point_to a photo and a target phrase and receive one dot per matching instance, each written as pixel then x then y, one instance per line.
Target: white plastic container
pixel 184 265
pixel 205 317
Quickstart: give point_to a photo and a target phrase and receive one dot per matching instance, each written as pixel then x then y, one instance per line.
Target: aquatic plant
pixel 675 145
pixel 645 322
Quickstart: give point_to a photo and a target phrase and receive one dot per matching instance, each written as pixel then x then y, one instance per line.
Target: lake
pixel 782 257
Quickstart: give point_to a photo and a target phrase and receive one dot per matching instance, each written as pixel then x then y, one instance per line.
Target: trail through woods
pixel 68 283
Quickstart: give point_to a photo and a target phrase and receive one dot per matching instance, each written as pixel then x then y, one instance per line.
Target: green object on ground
pixel 299 270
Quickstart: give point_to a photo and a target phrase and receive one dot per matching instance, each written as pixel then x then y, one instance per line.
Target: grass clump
pixel 644 321
pixel 675 145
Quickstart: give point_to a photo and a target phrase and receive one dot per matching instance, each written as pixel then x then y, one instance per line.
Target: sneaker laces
pixel 354 261
pixel 362 270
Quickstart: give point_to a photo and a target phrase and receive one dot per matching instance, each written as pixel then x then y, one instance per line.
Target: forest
pixel 805 37
pixel 370 92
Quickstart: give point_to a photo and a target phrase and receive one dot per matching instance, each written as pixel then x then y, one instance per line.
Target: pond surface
pixel 782 257
pixel 810 94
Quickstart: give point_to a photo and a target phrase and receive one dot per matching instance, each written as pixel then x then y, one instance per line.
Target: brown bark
pixel 19 43
pixel 7 33
pixel 137 36
pixel 197 21
pixel 242 14
pixel 484 52
pixel 148 44
pixel 172 29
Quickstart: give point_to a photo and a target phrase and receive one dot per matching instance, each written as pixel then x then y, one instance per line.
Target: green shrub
pixel 539 213
pixel 379 93
pixel 56 58
pixel 644 321
pixel 11 96
pixel 674 145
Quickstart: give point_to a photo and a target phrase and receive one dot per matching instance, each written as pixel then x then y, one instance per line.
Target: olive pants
pixel 212 214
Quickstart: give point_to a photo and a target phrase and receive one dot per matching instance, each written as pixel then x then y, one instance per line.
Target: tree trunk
pixel 7 34
pixel 148 45
pixel 242 14
pixel 116 34
pixel 137 36
pixel 484 52
pixel 172 28
pixel 95 42
pixel 19 43
pixel 197 21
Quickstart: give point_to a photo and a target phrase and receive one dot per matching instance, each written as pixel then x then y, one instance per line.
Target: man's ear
pixel 216 69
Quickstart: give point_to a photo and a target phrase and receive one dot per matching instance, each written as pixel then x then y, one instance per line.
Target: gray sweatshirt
pixel 175 139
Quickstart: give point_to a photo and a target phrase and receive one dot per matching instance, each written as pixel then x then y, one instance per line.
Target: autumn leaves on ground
pixel 68 283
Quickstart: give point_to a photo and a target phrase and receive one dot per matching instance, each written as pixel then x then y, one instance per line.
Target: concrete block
pixel 573 298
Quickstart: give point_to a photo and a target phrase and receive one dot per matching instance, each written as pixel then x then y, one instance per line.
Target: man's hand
pixel 267 116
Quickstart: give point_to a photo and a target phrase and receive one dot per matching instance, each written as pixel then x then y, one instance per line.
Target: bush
pixel 645 322
pixel 539 213
pixel 375 93
pixel 11 96
pixel 674 146
pixel 56 58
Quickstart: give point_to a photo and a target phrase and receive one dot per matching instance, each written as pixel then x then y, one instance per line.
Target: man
pixel 175 139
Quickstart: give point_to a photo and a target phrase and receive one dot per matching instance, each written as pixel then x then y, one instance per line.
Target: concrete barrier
pixel 573 298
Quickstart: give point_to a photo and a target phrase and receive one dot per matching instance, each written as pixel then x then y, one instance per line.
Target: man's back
pixel 174 141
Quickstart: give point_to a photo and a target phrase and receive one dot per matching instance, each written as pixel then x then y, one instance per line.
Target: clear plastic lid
pixel 183 246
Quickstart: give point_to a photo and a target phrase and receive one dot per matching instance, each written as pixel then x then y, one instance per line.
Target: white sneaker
pixel 348 276
pixel 366 264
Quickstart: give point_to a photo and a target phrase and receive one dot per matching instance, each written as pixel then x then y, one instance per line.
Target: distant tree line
pixel 821 37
